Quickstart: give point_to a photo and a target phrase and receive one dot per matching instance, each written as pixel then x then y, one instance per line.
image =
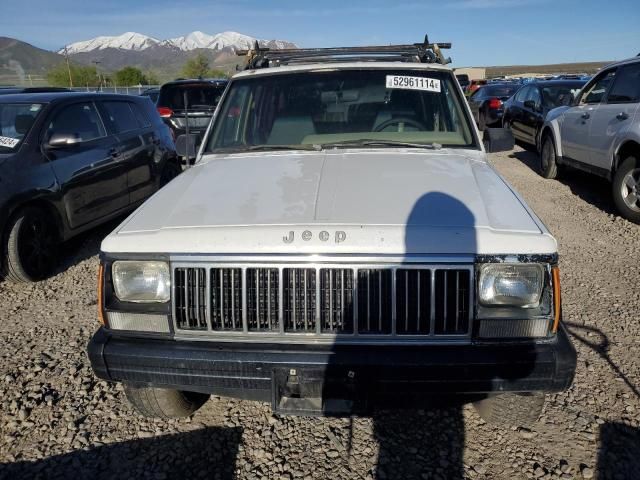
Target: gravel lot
pixel 58 421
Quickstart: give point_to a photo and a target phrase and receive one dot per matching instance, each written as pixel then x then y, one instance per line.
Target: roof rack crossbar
pixel 425 52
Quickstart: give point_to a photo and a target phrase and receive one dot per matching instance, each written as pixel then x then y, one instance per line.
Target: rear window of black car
pixel 120 118
pixel 198 96
pixel 500 91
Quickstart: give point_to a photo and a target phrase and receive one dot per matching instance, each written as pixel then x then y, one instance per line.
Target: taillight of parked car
pixel 165 112
pixel 495 104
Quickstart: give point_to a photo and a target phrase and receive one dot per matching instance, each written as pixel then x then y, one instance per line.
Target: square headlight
pixel 511 285
pixel 141 281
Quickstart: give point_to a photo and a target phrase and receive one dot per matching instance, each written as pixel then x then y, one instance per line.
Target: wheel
pixel 548 165
pixel 164 402
pixel 170 171
pixel 511 409
pixel 626 189
pixel 31 249
pixel 506 123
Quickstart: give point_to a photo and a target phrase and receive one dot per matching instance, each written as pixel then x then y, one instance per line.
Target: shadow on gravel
pixel 84 246
pixel 590 188
pixel 601 346
pixel 206 453
pixel 619 452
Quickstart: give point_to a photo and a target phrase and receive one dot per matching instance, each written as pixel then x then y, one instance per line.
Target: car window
pixel 522 94
pixel 626 88
pixel 119 117
pixel 502 91
pixel 80 120
pixel 315 108
pixel 141 117
pixel 16 120
pixel 596 91
pixel 198 96
pixel 533 95
pixel 478 94
pixel 559 95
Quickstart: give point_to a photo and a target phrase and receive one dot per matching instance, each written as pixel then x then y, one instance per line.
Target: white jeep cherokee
pixel 341 241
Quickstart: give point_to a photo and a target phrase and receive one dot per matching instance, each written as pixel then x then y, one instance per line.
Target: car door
pixel 92 182
pixel 475 101
pixel 517 112
pixel 574 129
pixel 614 116
pixel 530 114
pixel 137 145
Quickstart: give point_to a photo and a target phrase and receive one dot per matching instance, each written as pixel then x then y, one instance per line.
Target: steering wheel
pixel 398 121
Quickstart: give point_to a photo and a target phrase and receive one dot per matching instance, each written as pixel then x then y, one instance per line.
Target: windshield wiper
pixel 380 143
pixel 258 148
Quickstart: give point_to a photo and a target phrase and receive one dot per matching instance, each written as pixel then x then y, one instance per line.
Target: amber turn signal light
pixel 100 294
pixel 555 275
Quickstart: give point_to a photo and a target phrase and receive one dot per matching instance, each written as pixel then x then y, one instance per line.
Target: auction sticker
pixel 8 142
pixel 413 83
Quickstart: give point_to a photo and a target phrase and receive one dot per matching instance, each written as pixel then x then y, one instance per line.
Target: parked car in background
pixel 193 98
pixel 68 162
pixel 463 80
pixel 600 133
pixel 152 93
pixel 525 112
pixel 473 86
pixel 12 90
pixel 487 103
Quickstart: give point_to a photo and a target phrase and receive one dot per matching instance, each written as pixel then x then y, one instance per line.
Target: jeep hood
pixel 379 201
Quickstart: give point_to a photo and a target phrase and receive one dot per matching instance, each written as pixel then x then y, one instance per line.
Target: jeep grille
pixel 416 301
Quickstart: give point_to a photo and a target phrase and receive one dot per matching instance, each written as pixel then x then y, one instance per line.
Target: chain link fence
pixel 41 81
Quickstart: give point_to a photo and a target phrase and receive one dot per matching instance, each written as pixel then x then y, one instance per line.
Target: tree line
pixel 76 75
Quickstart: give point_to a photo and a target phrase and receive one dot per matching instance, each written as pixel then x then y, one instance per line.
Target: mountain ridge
pixel 133 41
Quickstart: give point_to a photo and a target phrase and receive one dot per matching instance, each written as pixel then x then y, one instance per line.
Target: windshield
pixel 204 97
pixel 15 122
pixel 342 108
pixel 560 95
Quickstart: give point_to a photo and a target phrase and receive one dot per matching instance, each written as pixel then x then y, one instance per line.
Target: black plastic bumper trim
pixel 248 370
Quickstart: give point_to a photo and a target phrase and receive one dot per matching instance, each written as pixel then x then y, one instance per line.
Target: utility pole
pixel 66 56
pixel 96 63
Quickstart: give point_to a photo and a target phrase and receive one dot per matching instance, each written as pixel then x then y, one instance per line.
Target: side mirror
pixel 530 104
pixel 58 140
pixel 186 146
pixel 498 140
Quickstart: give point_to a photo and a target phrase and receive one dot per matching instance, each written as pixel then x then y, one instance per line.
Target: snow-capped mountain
pixel 126 41
pixel 194 40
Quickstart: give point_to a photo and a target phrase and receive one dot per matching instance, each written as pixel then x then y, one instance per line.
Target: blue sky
pixel 483 32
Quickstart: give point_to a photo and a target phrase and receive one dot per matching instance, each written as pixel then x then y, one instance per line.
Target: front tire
pixel 32 240
pixel 548 165
pixel 511 409
pixel 163 402
pixel 626 189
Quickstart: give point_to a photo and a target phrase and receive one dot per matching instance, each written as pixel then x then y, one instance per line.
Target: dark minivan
pixel 68 162
pixel 195 99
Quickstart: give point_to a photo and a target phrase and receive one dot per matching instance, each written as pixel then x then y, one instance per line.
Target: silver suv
pixel 600 133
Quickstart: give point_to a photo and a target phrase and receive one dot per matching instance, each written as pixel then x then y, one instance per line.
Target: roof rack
pixel 425 52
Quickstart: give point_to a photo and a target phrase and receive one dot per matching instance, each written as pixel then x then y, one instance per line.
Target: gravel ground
pixel 58 421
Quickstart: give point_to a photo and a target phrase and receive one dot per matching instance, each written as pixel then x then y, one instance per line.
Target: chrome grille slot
pixel 262 286
pixel 374 301
pixel 226 299
pixel 413 301
pixel 299 299
pixel 336 300
pixel 452 312
pixel 190 299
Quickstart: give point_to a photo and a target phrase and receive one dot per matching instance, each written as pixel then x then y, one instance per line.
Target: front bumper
pixel 259 371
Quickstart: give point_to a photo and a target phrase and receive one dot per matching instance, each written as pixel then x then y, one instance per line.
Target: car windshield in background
pixel 560 95
pixel 16 120
pixel 203 97
pixel 500 90
pixel 344 108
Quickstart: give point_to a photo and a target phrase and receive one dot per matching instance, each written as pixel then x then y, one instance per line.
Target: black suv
pixel 70 161
pixel 196 99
